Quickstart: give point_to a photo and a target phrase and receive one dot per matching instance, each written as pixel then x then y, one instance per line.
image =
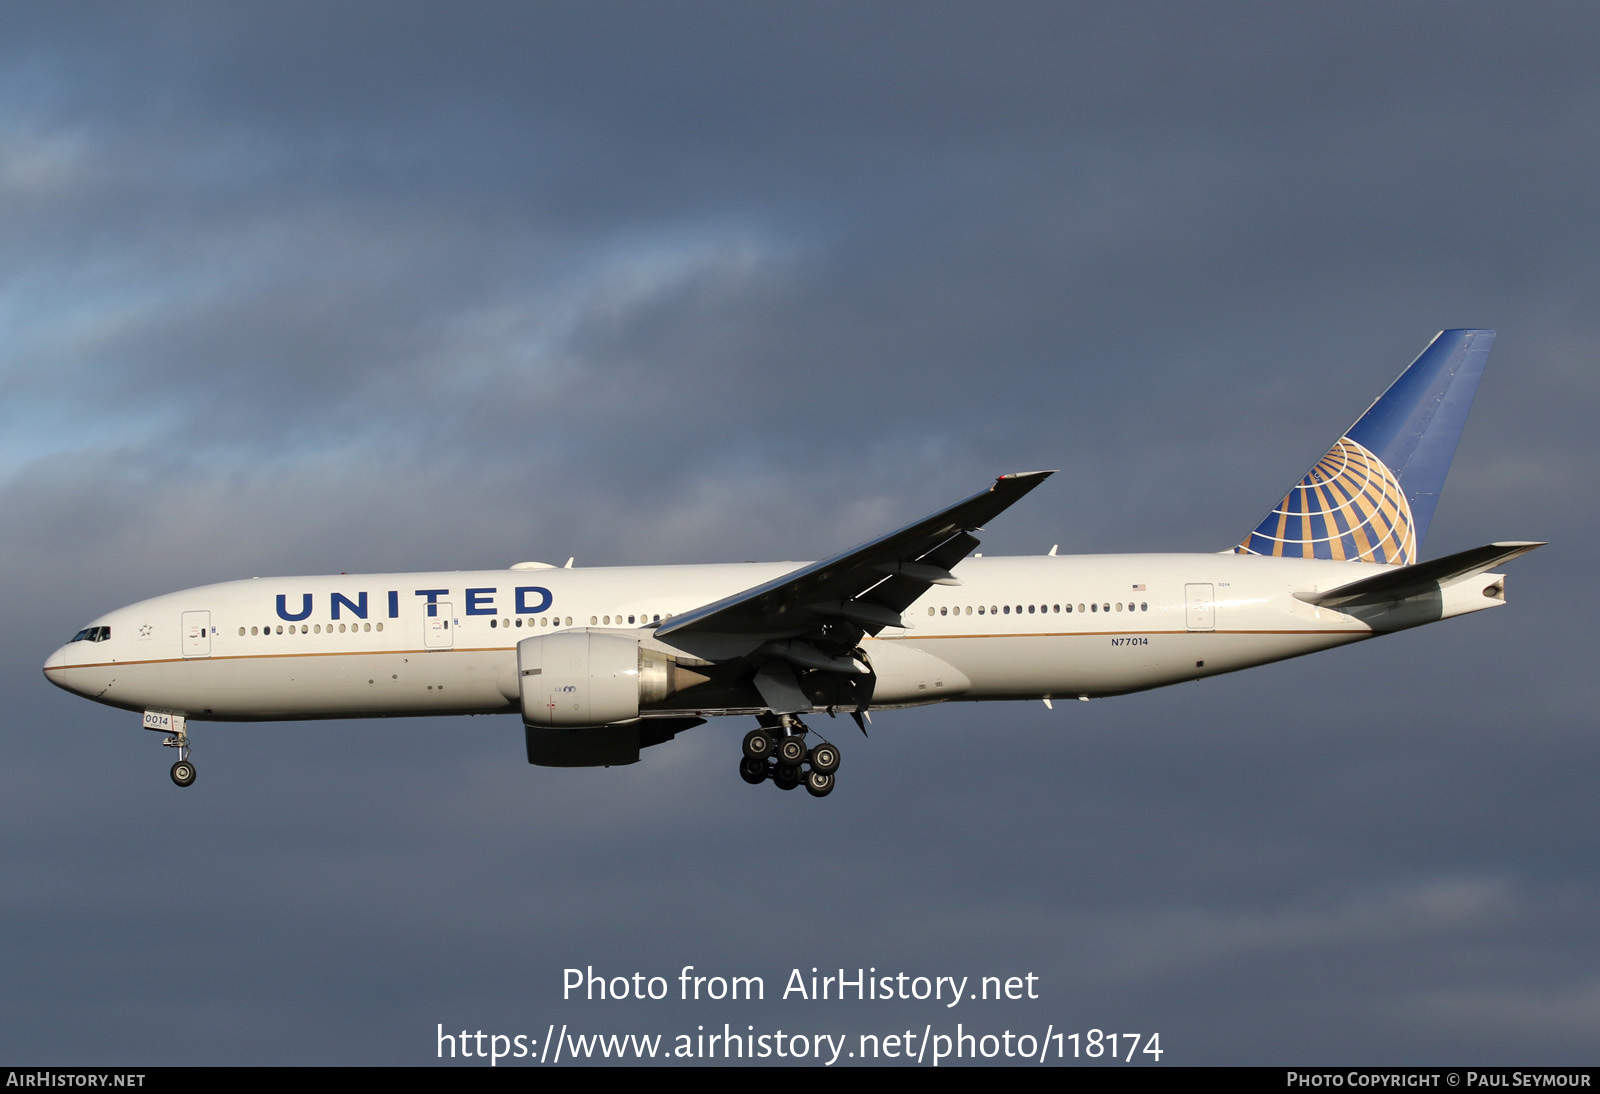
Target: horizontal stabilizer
pixel 1424 577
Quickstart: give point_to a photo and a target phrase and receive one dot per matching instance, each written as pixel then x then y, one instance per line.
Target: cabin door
pixel 196 628
pixel 438 628
pixel 1200 607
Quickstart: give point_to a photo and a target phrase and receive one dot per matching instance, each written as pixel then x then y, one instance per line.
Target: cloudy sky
pixel 319 288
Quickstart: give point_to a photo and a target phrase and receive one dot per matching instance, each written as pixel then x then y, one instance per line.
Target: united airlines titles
pixel 525 600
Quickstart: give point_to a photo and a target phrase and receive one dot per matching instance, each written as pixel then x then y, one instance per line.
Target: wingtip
pixel 1023 481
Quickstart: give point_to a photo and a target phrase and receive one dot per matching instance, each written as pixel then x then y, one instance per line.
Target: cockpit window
pixel 92 634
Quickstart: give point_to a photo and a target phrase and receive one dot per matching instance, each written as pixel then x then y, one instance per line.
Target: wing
pixel 815 617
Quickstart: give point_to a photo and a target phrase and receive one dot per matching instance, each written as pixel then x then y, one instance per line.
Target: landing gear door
pixel 438 627
pixel 1200 607
pixel 196 628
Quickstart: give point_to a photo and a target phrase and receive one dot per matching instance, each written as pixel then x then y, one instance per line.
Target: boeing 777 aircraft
pixel 601 663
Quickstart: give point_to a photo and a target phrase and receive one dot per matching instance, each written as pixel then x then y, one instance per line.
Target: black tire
pixel 819 784
pixel 753 771
pixel 757 744
pixel 786 778
pixel 183 772
pixel 825 758
pixel 792 751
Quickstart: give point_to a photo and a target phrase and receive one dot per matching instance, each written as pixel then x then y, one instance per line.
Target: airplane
pixel 601 663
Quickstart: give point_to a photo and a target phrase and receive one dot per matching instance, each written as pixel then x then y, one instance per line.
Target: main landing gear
pixel 777 750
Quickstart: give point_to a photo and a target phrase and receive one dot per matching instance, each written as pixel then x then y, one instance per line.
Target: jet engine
pixel 580 679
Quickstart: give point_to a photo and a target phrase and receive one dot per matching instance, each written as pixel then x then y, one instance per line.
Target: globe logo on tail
pixel 1349 507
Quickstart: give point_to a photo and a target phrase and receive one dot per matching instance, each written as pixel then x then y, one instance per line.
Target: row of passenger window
pixel 637 619
pixel 317 628
pixel 311 628
pixel 1039 609
pixel 100 634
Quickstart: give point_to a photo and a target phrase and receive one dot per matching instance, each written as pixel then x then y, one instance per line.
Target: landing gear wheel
pixel 792 751
pixel 753 771
pixel 825 758
pixel 819 784
pixel 183 772
pixel 758 744
pixel 786 778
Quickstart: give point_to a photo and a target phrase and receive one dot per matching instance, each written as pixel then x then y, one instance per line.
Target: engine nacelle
pixel 583 678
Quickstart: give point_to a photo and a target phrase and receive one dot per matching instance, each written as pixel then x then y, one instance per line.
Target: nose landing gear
pixel 183 770
pixel 777 750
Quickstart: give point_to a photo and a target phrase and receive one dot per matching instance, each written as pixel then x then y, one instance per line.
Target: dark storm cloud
pixel 299 289
pixel 956 212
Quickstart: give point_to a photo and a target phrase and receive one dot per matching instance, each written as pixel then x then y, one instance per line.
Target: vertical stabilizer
pixel 1370 499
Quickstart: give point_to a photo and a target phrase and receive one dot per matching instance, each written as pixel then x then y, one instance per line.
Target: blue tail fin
pixel 1371 497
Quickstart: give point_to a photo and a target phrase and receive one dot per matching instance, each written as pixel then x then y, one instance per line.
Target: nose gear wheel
pixel 183 770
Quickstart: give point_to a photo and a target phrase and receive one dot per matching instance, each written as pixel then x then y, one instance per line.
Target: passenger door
pixel 438 629
pixel 1200 607
pixel 196 627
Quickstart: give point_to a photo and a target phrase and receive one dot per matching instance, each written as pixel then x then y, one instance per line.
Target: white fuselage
pixel 1037 627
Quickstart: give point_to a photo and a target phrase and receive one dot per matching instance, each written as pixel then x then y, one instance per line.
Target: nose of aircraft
pixel 52 666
